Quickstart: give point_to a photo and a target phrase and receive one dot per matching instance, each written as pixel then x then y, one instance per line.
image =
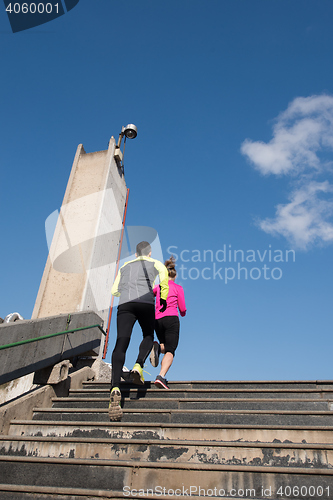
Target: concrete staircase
pixel 220 439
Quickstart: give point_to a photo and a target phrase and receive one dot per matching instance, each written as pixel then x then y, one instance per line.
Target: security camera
pixel 130 131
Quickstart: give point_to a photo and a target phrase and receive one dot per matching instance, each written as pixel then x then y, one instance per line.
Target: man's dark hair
pixel 143 248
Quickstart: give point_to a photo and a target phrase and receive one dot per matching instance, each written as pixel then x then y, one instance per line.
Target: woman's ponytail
pixel 170 264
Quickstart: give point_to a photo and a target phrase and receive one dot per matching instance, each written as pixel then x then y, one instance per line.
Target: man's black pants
pixel 127 315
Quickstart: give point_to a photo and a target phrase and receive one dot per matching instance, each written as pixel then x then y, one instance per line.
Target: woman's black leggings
pixel 127 315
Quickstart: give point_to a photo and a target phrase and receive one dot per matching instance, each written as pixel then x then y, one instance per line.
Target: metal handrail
pixel 27 341
pixel 106 343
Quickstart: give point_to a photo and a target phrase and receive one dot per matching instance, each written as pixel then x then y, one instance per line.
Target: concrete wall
pixel 16 388
pixel 22 408
pixel 82 256
pixel 20 360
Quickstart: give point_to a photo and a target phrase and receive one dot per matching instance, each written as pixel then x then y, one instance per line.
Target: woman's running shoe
pixel 161 382
pixel 155 354
pixel 115 410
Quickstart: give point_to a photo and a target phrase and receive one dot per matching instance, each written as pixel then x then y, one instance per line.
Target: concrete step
pixel 144 430
pixel 267 436
pixel 256 417
pixel 120 476
pixel 226 453
pixel 195 404
pixel 14 492
pixel 142 391
pixel 216 385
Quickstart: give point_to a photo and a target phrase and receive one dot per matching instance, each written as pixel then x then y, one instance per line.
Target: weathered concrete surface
pixel 82 400
pixel 53 374
pixel 15 388
pixel 261 454
pixel 102 370
pixel 216 391
pixel 124 430
pixel 23 406
pixel 21 360
pixel 74 442
pixel 80 268
pixel 306 387
pixel 116 475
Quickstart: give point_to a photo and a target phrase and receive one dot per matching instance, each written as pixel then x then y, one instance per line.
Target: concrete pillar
pixel 80 268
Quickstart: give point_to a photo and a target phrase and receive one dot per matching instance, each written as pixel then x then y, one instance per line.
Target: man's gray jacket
pixel 136 278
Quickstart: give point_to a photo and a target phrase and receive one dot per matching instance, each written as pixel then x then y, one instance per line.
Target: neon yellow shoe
pixel 137 375
pixel 115 410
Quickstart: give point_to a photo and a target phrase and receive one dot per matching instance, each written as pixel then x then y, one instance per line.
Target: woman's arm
pixel 181 301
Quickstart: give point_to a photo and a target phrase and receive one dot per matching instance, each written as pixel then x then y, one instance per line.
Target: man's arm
pixel 164 279
pixel 114 289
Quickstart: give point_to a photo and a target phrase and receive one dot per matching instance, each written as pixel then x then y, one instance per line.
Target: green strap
pixel 27 341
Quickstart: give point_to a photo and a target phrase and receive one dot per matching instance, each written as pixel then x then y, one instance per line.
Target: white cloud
pixel 305 128
pixel 302 137
pixel 303 221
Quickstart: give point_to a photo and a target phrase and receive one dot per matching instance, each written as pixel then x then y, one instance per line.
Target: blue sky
pixel 233 104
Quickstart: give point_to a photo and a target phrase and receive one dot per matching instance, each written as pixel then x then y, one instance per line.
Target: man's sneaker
pixel 137 375
pixel 115 411
pixel 155 354
pixel 161 382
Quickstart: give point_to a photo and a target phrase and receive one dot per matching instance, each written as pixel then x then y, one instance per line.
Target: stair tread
pixel 221 391
pixel 79 423
pixel 191 400
pixel 91 493
pixel 166 410
pixel 170 442
pixel 168 465
pixel 213 382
